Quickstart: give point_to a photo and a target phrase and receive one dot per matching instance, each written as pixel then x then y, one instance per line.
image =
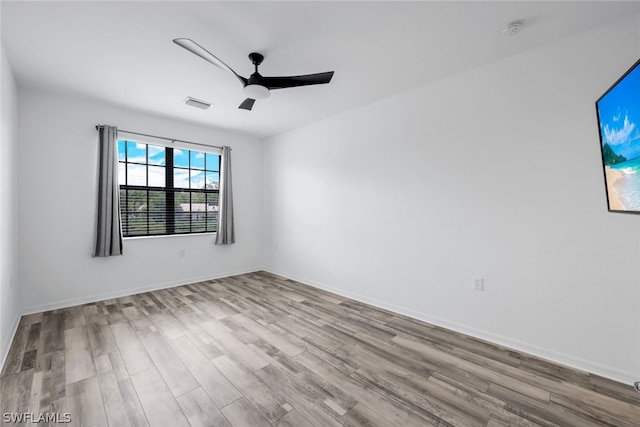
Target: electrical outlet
pixel 478 284
pixel 181 253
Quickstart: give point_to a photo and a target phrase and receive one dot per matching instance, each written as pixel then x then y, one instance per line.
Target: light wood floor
pixel 258 350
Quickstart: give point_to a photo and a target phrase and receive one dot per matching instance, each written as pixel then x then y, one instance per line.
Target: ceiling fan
pixel 256 86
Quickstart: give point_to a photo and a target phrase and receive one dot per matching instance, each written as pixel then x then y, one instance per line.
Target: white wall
pixel 8 206
pixel 494 173
pixel 57 182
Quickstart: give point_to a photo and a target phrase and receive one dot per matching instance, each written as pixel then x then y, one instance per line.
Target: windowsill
pixel 213 233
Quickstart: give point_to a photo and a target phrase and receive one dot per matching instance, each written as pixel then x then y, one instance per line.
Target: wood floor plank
pixel 217 386
pixel 166 325
pixel 30 319
pixel 606 387
pixel 294 419
pixel 586 418
pixel 131 348
pixel 35 391
pixel 340 362
pixel 133 407
pixel 118 366
pixel 33 339
pixel 234 346
pixel 78 356
pixel 120 400
pixel 84 403
pixel 52 332
pixel 73 317
pixel 265 334
pixel 15 392
pixel 309 404
pixel 114 405
pixel 200 409
pixel 612 415
pixel 175 374
pixel 216 309
pixel 252 388
pixel 490 375
pixel 16 351
pixel 138 320
pixel 430 410
pixel 588 398
pixel 203 341
pixel 300 327
pixel 453 391
pixel 100 335
pixel 54 387
pixel 495 421
pixel 535 410
pixel 158 403
pixel 241 414
pixel 360 415
pixel 92 309
pixel 368 355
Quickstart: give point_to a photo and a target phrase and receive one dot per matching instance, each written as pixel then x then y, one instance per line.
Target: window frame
pixel 171 213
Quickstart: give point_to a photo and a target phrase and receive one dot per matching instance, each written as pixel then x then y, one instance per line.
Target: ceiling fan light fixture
pixel 254 91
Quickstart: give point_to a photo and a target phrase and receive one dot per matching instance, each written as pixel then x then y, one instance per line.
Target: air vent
pixel 197 103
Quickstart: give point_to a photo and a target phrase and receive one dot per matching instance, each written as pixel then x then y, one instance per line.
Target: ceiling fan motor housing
pixel 256 58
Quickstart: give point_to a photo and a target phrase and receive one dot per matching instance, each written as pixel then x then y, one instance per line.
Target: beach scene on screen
pixel 619 116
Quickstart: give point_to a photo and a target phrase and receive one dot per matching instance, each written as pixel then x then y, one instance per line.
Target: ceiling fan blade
pixel 247 104
pixel 293 81
pixel 196 49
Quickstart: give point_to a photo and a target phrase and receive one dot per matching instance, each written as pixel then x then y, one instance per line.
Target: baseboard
pixel 6 344
pixel 550 355
pixel 123 293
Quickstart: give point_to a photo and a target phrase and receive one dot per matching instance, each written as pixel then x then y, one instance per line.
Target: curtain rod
pixel 166 139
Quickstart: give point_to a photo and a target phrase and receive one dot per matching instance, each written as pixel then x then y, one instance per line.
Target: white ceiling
pixel 122 52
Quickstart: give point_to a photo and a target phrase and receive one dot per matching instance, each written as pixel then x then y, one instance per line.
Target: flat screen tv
pixel 618 112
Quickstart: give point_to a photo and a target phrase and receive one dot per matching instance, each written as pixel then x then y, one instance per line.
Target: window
pixel 165 190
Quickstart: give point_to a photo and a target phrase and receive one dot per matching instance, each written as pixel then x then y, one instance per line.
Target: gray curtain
pixel 108 237
pixel 226 234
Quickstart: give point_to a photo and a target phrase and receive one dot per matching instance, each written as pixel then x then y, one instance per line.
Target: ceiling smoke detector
pixel 512 28
pixel 197 103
